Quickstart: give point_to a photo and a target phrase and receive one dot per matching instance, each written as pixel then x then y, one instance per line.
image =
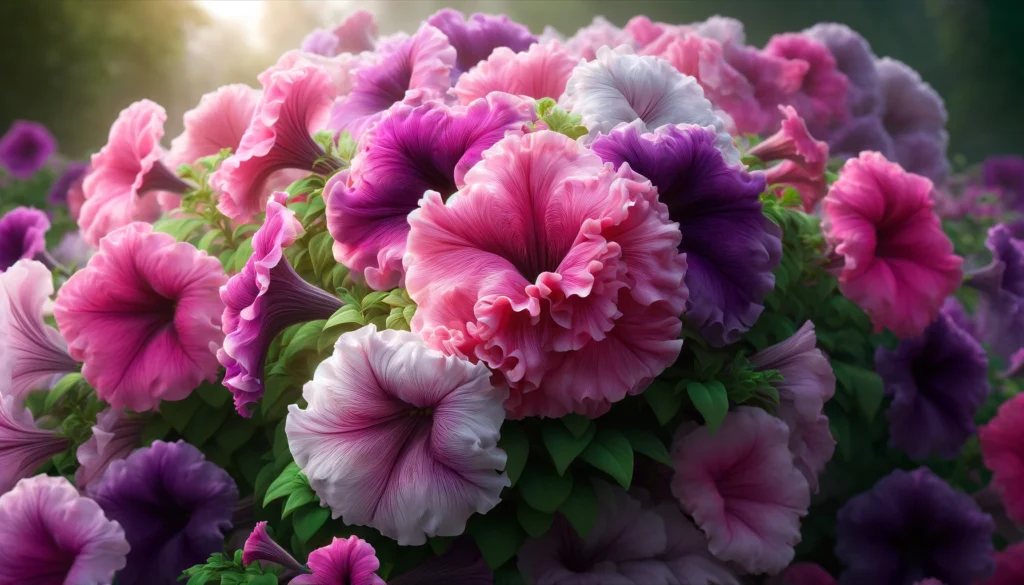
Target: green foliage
pixel 229 570
pixel 711 400
pixel 558 120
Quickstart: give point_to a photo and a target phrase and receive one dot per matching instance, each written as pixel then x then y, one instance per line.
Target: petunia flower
pixel 295 105
pixel 937 381
pixel 22 235
pixel 400 437
pixel 357 33
pixel 855 60
pixel 538 72
pixel 686 551
pixel 899 265
pixel 127 174
pixel 25 148
pixel 771 80
pixel 50 535
pixel 262 300
pixel 574 296
pixel 742 489
pixel 218 122
pixel 346 561
pixel 462 563
pixel 175 508
pixel 807 384
pixel 414 150
pixel 588 40
pixel 73 251
pixel 619 87
pixel 24 447
pixel 114 436
pixel 73 174
pixel 912 525
pixel 811 184
pixel 915 118
pixel 821 98
pixel 1006 174
pixel 76 196
pixel 1009 566
pixel 793 142
pixel 144 316
pixel 38 353
pixel 804 573
pixel 1002 447
pixel 475 38
pixel 727 278
pixel 259 546
pixel 1000 312
pixel 410 69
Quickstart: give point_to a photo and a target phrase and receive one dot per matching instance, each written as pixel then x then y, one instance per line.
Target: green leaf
pixel 155 430
pixel 580 508
pixel 215 395
pixel 234 433
pixel 440 544
pixel 498 536
pixel 65 385
pixel 611 452
pixel 516 446
pixel 205 423
pixel 320 252
pixel 647 443
pixel 711 400
pixel 306 184
pixel 264 579
pixel 346 315
pixel 840 427
pixel 180 228
pixel 545 490
pixel 208 238
pixel 305 338
pixel 287 482
pixel 297 499
pixel 576 423
pixel 241 256
pixel 534 522
pixel 308 520
pixel 316 208
pixel 199 578
pixel 179 412
pixel 562 445
pixel 663 400
pixel 864 385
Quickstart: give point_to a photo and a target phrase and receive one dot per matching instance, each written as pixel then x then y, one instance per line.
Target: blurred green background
pixel 74 64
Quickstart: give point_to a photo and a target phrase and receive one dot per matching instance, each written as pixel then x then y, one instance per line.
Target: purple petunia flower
pixel 854 59
pixel 476 38
pixel 25 148
pixel 114 436
pixel 1000 312
pixel 175 508
pixel 1005 173
pixel 910 526
pixel 731 248
pixel 24 447
pixel 937 381
pixel 22 235
pixel 73 173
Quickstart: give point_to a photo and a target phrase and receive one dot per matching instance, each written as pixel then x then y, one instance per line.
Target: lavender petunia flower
pixel 1006 174
pixel 23 446
pixel 915 119
pixel 937 380
pixel 114 436
pixel 1000 312
pixel 175 508
pixel 956 312
pixel 912 525
pixel 476 38
pixel 50 535
pixel 320 42
pixel 855 60
pixel 73 173
pixel 25 148
pixel 731 248
pixel 22 235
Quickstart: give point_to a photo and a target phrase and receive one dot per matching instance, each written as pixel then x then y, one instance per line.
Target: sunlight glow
pixel 245 14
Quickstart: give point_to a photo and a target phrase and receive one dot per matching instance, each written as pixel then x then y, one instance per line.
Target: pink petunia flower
pixel 574 295
pixel 1009 566
pixel 144 316
pixel 400 437
pixel 218 122
pixel 742 489
pixel 357 33
pixel 793 142
pixel 804 574
pixel 810 185
pixel 346 561
pixel 295 105
pixel 540 71
pixel 1002 446
pixel 821 99
pixel 38 354
pixel 127 174
pixel 23 446
pixel 770 80
pixel 50 535
pixel 114 436
pixel 899 265
pixel 599 33
pixel 259 546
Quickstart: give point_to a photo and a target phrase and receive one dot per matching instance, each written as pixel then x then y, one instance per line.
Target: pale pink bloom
pixel 560 272
pixel 346 561
pixel 599 33
pixel 400 437
pixel 899 265
pixel 114 436
pixel 341 68
pixel 357 33
pixel 127 174
pixel 811 185
pixel 144 316
pixel 538 72
pixel 218 122
pixel 742 489
pixel 23 446
pixel 37 354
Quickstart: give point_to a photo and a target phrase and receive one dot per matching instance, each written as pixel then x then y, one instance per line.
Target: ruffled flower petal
pixel 24 447
pixel 114 436
pixel 600 33
pixel 357 33
pixel 25 148
pixel 538 72
pixel 1009 566
pixel 856 61
pixel 22 235
pixel 1000 312
pixel 218 122
pixel 346 561
pixel 821 98
pixel 915 117
pixel 475 38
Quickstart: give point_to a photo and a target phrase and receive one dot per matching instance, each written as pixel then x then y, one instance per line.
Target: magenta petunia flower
pixel 25 148
pixel 771 80
pixel 218 122
pixel 174 505
pixel 574 296
pixel 38 354
pixel 127 174
pixel 50 535
pixel 599 33
pixel 804 574
pixel 24 447
pixel 821 98
pixel 856 61
pixel 262 300
pixel 22 235
pixel 1002 446
pixel 793 142
pixel 357 33
pixel 144 316
pixel 346 561
pixel 475 38
pixel 406 69
pixel 295 105
pixel 808 383
pixel 400 437
pixel 727 279
pixel 1009 566
pixel 114 436
pixel 742 489
pixel 538 72
pixel 259 546
pixel 899 265
pixel 811 184
pixel 414 150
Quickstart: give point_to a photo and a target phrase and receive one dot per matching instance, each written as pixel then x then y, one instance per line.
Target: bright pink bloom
pixel 1009 566
pixel 144 316
pixel 114 436
pixel 400 437
pixel 821 99
pixel 295 105
pixel 811 185
pixel 540 71
pixel 804 574
pixel 37 353
pixel 793 142
pixel 23 446
pixel 127 174
pixel 899 265
pixel 742 489
pixel 218 122
pixel 599 33
pixel 50 535
pixel 574 295
pixel 346 561
pixel 1002 446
